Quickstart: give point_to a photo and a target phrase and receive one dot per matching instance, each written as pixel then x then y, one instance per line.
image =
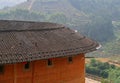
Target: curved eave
pixel 16 58
pixel 30 44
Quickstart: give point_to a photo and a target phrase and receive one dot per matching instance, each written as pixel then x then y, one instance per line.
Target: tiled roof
pixel 22 41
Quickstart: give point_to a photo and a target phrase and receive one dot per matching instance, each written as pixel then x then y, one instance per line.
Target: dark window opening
pixel 1 69
pixel 27 65
pixel 70 59
pixel 49 62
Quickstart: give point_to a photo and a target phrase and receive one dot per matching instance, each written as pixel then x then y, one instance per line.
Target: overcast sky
pixel 4 3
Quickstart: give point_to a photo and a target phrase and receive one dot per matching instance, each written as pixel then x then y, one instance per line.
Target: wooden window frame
pixel 49 62
pixel 27 66
pixel 70 59
pixel 2 70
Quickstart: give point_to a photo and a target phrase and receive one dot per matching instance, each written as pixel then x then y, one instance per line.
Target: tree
pixel 105 81
pixel 21 14
pixel 114 76
pixel 58 18
pixel 100 29
pixel 93 62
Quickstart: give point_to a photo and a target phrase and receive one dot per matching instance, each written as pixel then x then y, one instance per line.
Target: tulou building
pixel 41 52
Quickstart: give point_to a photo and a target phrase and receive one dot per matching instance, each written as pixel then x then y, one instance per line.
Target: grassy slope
pixel 52 6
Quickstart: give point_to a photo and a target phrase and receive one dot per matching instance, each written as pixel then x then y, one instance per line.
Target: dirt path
pixel 87 80
pixel 31 4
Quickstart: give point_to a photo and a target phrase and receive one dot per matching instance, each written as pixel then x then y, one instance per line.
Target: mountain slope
pixel 67 14
pixel 109 8
pixel 53 6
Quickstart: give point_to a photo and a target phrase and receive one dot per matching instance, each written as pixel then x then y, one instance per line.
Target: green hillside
pixel 98 19
pixel 110 8
pixel 51 7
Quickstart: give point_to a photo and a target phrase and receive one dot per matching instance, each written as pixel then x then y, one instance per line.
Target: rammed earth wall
pixel 61 71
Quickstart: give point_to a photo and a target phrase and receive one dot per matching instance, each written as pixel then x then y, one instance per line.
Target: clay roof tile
pixel 28 41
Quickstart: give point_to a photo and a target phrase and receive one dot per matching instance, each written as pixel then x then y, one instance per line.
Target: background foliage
pixel 97 19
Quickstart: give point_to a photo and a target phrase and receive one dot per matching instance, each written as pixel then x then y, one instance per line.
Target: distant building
pixel 38 52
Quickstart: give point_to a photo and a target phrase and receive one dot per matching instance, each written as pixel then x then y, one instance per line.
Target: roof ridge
pixel 23 30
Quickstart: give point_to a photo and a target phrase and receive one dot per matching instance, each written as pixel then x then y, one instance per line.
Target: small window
pixel 49 62
pixel 70 59
pixel 27 65
pixel 1 69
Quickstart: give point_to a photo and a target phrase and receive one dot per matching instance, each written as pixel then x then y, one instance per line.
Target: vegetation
pixel 96 29
pixel 105 70
pixel 98 19
pixel 103 8
pixel 22 14
pixel 59 18
pixel 112 48
pixel 100 29
pixel 93 18
pixel 105 81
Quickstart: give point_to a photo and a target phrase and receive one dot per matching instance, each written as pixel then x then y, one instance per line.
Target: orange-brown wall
pixel 60 72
